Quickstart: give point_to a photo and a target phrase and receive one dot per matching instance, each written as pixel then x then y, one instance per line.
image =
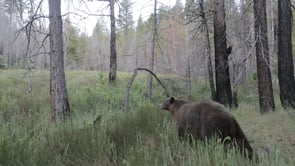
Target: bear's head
pixel 173 104
pixel 165 105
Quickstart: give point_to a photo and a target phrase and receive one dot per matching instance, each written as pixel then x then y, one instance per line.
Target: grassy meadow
pixel 143 136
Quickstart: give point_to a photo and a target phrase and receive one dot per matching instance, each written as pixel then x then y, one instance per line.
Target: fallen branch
pixel 167 94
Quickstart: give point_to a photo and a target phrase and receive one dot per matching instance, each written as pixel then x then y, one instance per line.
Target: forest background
pixel 177 41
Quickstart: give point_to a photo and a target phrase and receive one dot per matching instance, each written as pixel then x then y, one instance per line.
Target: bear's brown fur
pixel 204 120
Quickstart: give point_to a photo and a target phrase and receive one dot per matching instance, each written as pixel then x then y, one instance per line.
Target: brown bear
pixel 203 120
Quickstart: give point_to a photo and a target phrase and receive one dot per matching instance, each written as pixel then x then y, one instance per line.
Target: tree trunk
pixel 235 84
pixel 150 79
pixel 266 99
pixel 209 59
pixel 285 58
pixel 270 28
pixel 58 91
pixel 244 44
pixel 188 67
pixel 113 56
pixel 223 87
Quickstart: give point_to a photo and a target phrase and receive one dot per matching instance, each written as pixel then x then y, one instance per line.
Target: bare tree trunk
pixel 285 58
pixel 113 56
pixel 188 80
pixel 150 79
pixel 266 99
pixel 270 28
pixel 235 86
pixel 188 68
pixel 58 91
pixel 27 58
pixel 209 59
pixel 223 87
pixel 243 43
pixel 10 55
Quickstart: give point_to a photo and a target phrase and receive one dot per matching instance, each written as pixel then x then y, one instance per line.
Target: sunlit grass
pixel 143 136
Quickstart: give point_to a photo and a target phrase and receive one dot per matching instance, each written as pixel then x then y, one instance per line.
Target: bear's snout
pixel 163 106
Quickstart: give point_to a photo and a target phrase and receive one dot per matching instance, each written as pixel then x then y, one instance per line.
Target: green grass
pixel 143 136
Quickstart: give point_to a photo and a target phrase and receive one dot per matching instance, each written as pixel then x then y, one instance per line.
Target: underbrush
pixel 143 136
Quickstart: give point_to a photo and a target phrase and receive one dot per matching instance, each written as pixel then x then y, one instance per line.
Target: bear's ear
pixel 172 99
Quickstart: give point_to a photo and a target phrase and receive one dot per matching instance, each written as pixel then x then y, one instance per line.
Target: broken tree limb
pixel 167 94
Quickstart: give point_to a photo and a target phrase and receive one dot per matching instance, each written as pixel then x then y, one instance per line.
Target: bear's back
pixel 203 110
pixel 205 118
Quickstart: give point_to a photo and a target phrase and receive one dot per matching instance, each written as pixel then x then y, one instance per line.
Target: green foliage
pixel 125 20
pixel 101 31
pixel 76 45
pixel 254 76
pixel 2 62
pixel 143 136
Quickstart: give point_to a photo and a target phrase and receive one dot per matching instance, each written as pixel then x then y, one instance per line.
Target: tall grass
pixel 143 136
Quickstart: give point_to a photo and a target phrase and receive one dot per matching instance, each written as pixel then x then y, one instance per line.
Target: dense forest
pixel 236 52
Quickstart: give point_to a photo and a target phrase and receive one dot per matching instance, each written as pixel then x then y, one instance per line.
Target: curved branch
pixel 167 94
pixel 163 86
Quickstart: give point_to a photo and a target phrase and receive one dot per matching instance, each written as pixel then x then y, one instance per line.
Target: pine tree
pixel 125 21
pixel 76 45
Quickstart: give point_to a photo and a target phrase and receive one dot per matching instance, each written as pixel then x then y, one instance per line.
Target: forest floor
pixel 145 135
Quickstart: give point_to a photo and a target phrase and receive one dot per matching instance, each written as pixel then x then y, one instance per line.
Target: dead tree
pixel 194 12
pixel 113 56
pixel 150 82
pixel 209 62
pixel 223 84
pixel 113 49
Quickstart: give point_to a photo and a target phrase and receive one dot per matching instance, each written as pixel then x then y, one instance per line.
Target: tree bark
pixel 58 91
pixel 113 56
pixel 223 86
pixel 266 99
pixel 285 58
